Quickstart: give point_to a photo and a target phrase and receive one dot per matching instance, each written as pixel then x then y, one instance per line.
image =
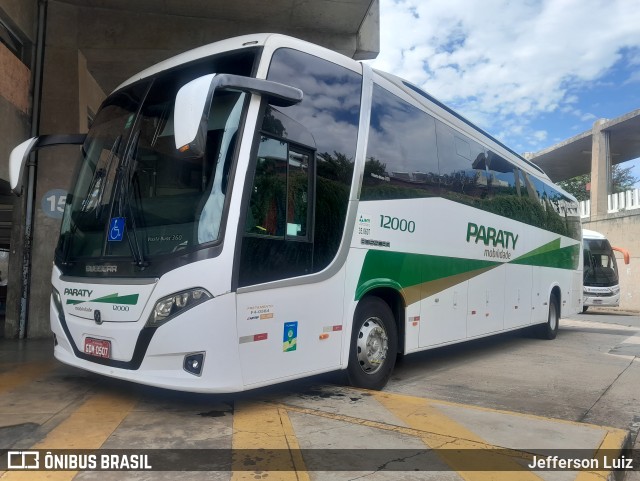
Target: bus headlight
pixel 57 301
pixel 169 307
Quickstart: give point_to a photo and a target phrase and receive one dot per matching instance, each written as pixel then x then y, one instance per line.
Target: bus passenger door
pixel 290 331
pixel 285 328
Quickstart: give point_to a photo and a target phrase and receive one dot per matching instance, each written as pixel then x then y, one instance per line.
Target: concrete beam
pixel 572 157
pixel 368 40
pixel 119 38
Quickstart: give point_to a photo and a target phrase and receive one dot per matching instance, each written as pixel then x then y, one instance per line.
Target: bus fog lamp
pixel 193 363
pixel 169 307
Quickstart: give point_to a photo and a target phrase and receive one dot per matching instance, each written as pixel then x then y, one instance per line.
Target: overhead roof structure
pixel 122 37
pixel 119 38
pixel 572 157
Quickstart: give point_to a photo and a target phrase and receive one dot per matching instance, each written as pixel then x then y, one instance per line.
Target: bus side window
pixel 277 239
pixel 280 196
pixel 462 166
pixel 402 160
pixel 266 213
pixel 325 123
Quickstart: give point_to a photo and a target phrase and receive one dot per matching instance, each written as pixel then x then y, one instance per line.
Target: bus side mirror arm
pixel 625 254
pixel 193 101
pixel 20 154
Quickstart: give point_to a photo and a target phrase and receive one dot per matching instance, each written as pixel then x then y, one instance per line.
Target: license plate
pixel 97 347
pixel 597 301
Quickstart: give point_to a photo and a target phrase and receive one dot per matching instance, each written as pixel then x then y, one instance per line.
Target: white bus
pixel 263 209
pixel 601 279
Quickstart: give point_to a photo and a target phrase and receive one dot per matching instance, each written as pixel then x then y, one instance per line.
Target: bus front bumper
pixel 208 329
pixel 602 296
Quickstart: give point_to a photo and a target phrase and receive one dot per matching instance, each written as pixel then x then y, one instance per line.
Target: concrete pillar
pixel 60 108
pixel 600 170
pixel 15 119
pixel 69 91
pixel 368 38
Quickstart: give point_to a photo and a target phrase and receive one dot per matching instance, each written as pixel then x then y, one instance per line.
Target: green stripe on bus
pixel 420 275
pixel 131 299
pixel 562 258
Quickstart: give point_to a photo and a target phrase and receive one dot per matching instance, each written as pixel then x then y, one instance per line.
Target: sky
pixel 530 72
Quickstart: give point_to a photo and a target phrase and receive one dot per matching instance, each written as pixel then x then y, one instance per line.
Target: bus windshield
pixel 136 195
pixel 600 267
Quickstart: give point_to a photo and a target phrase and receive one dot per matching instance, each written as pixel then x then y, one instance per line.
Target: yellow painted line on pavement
pixel 23 373
pixel 613 441
pixel 88 427
pixel 368 423
pixel 534 417
pixel 419 414
pixel 266 427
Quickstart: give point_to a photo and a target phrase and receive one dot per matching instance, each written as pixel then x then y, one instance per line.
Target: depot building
pixel 60 58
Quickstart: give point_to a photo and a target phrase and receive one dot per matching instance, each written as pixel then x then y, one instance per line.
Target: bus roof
pixel 591 234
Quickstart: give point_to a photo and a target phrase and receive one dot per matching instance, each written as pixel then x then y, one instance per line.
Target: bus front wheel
pixel 374 344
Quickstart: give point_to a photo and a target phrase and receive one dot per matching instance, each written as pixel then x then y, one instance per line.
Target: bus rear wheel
pixel 549 330
pixel 374 344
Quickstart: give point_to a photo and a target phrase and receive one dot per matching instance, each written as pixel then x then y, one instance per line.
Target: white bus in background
pixel 262 209
pixel 601 278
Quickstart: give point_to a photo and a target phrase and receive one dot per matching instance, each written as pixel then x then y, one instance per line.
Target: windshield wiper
pixel 96 189
pixel 134 243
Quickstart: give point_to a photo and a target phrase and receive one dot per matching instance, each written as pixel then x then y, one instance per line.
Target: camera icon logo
pixel 23 460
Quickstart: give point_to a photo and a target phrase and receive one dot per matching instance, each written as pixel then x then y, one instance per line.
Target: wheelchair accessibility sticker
pixel 116 229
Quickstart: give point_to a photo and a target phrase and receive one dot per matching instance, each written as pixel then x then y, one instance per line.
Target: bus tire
pixel 549 330
pixel 374 344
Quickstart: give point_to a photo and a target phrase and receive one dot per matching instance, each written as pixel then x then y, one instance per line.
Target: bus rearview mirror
pixel 20 154
pixel 17 161
pixel 193 101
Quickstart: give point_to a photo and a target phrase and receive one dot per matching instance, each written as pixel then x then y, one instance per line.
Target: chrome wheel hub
pixel 372 345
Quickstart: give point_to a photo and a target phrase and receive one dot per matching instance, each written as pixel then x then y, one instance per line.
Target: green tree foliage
pixel 622 179
pixel 336 167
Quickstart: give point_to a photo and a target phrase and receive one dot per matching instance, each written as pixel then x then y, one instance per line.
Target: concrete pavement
pixel 310 431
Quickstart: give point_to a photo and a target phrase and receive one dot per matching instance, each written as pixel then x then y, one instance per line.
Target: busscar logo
pixel 23 460
pixel 102 269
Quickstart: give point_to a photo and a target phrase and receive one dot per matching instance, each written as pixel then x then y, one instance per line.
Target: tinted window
pixel 506 194
pixel 401 153
pixel 600 267
pixel 487 181
pixel 329 111
pixel 463 166
pixel 504 177
pixel 267 207
pixel 565 211
pixel 321 134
